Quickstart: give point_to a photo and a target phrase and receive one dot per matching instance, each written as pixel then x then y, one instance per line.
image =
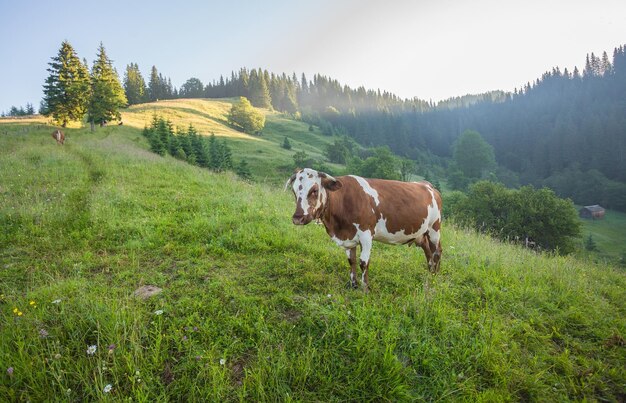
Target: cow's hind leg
pixel 352 261
pixel 434 240
pixel 366 248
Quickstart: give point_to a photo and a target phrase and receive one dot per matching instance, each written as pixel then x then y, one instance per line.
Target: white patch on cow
pixel 309 179
pixel 382 234
pixel 365 239
pixel 433 216
pixel 367 188
pixel 352 277
pixel 346 243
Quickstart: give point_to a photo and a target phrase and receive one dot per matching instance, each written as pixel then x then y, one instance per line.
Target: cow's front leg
pixel 352 261
pixel 366 248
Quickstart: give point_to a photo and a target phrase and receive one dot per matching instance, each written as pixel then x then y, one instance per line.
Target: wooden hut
pixel 594 212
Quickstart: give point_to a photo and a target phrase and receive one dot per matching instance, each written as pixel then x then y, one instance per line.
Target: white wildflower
pixel 222 361
pixel 158 312
pixel 91 350
pixel 56 301
pixel 107 388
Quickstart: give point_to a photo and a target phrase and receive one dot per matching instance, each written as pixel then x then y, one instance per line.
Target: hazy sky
pixel 428 49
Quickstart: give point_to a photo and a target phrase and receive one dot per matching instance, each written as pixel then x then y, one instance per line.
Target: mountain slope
pixel 264 154
pixel 254 308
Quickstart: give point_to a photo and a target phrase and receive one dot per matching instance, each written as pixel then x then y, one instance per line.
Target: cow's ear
pixel 330 183
pixel 290 181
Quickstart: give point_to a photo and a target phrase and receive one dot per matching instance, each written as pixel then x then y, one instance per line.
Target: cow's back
pixel 394 211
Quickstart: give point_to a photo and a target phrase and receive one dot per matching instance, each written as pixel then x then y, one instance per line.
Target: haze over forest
pixel 563 130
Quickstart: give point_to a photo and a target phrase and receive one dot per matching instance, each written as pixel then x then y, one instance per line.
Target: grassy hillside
pixel 256 309
pixel 608 233
pixel 267 159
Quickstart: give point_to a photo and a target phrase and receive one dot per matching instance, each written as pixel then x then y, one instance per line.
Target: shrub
pixel 243 116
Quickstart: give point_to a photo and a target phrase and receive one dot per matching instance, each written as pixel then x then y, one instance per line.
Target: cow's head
pixel 310 188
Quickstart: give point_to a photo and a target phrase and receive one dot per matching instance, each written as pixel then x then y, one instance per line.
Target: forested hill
pixel 565 130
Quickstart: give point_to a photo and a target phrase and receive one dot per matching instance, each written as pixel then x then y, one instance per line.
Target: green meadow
pixel 254 308
pixel 268 161
pixel 609 234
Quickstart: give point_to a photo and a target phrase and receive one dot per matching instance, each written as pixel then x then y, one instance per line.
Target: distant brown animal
pixel 357 211
pixel 59 136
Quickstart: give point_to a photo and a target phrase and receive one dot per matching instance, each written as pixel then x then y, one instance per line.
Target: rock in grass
pixel 147 291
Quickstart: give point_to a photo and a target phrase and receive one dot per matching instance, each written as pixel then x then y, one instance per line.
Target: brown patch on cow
pixel 403 205
pixel 330 184
pixel 437 225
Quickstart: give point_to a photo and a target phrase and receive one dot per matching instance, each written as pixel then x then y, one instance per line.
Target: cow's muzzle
pixel 300 219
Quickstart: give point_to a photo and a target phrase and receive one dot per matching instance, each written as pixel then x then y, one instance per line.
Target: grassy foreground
pixel 256 309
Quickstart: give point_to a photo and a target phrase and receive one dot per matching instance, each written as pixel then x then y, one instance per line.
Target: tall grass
pixel 256 309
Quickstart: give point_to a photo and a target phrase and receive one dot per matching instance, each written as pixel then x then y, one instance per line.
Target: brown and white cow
pixel 357 211
pixel 59 136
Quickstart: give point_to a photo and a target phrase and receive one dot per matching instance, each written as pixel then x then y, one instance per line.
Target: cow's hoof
pixel 352 285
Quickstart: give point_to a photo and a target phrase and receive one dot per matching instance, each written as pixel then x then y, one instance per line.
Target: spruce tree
pixel 134 85
pixel 214 154
pixel 590 244
pixel 67 89
pixel 286 144
pixel 154 85
pixel 225 153
pixel 243 170
pixel 259 91
pixel 107 94
pixel 200 152
pixel 185 143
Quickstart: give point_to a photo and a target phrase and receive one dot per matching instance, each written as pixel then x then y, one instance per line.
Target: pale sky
pixel 425 49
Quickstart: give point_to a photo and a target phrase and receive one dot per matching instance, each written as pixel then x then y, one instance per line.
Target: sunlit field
pixel 267 159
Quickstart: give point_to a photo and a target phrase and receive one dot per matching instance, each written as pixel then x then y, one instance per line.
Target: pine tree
pixel 67 89
pixel 226 156
pixel 605 64
pixel 243 170
pixel 214 157
pixel 134 85
pixel 192 88
pixel 200 152
pixel 590 244
pixel 107 94
pixel 154 85
pixel 286 144
pixel 156 145
pixel 185 143
pixel 259 91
